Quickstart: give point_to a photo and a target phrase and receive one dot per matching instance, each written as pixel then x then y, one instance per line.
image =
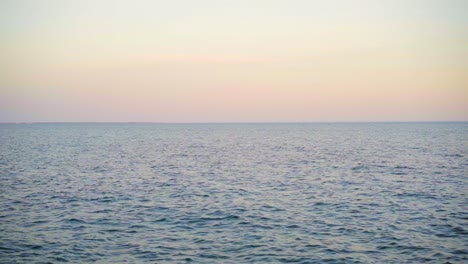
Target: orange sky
pixel 233 61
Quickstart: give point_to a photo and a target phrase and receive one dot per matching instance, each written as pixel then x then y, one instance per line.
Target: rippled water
pixel 234 193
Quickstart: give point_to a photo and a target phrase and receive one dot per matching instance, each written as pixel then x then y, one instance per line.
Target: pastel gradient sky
pixel 233 60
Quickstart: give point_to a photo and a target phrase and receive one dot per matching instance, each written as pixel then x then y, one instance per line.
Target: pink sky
pixel 233 61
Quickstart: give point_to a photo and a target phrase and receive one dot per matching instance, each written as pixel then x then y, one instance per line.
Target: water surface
pixel 234 193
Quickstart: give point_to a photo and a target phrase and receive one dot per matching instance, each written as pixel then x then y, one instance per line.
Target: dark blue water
pixel 234 193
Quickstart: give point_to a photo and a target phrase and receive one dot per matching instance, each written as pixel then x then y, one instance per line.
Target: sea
pixel 234 193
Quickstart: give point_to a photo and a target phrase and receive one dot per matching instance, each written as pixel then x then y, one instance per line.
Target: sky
pixel 233 60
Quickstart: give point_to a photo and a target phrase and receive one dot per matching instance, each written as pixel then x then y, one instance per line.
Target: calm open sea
pixel 234 193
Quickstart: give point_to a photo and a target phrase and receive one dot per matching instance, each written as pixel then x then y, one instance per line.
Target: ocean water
pixel 234 193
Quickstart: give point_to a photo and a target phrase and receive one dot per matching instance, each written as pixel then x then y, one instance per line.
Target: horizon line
pixel 227 122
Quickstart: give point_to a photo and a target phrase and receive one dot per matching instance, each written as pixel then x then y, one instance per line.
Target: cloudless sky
pixel 233 60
